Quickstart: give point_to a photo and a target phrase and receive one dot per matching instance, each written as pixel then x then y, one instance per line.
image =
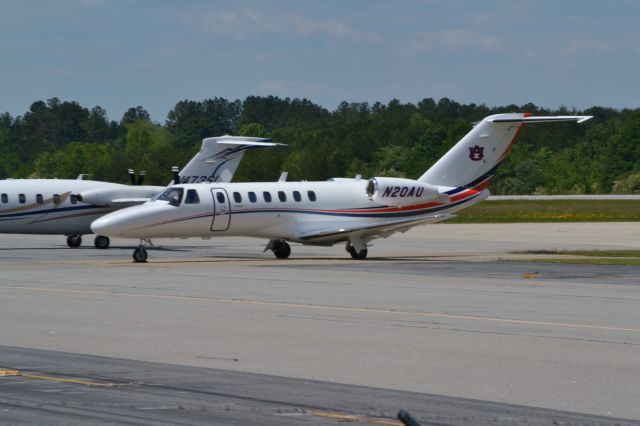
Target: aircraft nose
pixel 106 226
pixel 114 224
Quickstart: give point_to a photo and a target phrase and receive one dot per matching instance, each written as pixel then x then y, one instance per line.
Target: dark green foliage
pixel 62 139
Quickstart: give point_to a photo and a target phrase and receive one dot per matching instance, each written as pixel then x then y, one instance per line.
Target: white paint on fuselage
pixel 336 202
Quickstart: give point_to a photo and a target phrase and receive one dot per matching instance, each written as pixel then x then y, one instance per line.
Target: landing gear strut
pixel 101 242
pixel 74 241
pixel 280 249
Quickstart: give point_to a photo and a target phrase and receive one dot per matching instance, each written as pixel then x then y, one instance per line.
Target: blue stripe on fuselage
pixel 11 216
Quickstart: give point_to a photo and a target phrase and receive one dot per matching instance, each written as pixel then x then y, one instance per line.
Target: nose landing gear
pixel 140 252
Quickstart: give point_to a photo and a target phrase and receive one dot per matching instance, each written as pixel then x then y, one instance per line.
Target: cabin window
pixel 282 196
pixel 220 197
pixel 252 197
pixel 5 198
pixel 22 199
pixel 56 198
pixel 237 197
pixel 192 197
pixel 172 195
pixel 39 199
pixel 297 196
pixel 73 199
pixel 311 195
pixel 267 196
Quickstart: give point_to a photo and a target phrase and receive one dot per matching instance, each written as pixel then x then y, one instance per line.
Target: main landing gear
pixel 280 248
pixel 357 249
pixel 74 241
pixel 100 242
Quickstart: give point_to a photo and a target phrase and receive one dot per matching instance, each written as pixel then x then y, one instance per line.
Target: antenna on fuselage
pixel 283 177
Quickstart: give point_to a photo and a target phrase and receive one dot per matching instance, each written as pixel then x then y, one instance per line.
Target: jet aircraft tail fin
pixel 472 162
pixel 219 158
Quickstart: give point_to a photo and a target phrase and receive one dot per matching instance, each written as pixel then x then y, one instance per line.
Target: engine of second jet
pixel 400 192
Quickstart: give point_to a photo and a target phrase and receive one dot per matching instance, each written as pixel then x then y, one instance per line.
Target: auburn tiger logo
pixel 476 153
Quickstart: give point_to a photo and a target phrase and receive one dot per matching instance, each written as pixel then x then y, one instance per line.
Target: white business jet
pixel 324 213
pixel 68 206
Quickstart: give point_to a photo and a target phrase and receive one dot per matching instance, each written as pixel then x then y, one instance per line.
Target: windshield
pixel 172 195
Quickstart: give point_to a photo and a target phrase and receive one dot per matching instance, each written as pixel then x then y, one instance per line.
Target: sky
pixel 118 54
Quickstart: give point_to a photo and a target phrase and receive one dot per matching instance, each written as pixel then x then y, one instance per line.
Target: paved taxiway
pixel 432 316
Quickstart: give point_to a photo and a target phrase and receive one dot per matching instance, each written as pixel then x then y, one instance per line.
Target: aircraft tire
pixel 281 249
pixel 140 255
pixel 74 241
pixel 358 255
pixel 101 242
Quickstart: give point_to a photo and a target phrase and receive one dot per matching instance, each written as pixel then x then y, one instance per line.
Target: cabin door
pixel 221 210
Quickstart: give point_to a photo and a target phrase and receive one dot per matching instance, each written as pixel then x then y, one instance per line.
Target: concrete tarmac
pixel 438 312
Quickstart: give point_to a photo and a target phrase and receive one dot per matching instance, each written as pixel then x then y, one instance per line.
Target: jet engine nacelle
pixel 122 195
pixel 400 192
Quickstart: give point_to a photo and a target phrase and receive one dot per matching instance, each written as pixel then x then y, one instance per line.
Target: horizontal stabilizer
pixel 543 119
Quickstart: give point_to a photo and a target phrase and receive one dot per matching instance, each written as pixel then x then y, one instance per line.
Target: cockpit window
pixel 172 195
pixel 192 197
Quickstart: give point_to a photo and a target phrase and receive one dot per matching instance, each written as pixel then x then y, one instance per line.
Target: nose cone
pixel 122 223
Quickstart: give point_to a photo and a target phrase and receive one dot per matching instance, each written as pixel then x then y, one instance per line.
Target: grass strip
pixel 550 211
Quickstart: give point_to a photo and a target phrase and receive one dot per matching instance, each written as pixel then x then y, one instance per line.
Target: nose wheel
pixel 140 254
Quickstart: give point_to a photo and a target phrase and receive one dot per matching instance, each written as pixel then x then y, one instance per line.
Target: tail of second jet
pixel 472 162
pixel 219 158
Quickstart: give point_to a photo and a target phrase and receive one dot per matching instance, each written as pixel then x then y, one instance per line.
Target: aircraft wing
pixel 129 201
pixel 382 229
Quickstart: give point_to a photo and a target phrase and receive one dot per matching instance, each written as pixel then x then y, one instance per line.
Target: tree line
pixel 63 139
